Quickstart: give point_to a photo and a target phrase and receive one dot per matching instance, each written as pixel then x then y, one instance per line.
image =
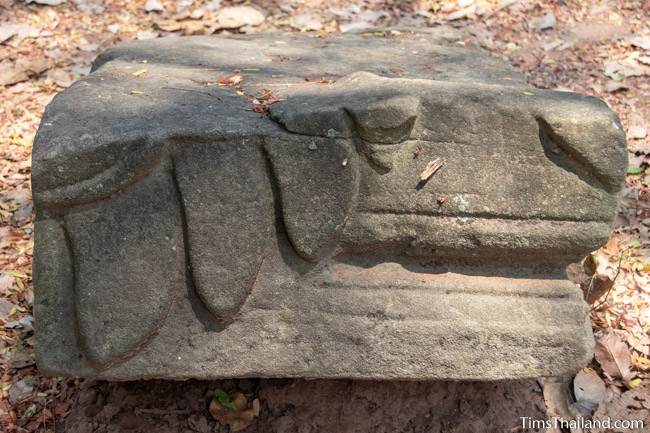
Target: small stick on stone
pixel 429 171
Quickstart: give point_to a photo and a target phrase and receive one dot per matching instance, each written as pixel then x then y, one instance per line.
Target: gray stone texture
pixel 181 234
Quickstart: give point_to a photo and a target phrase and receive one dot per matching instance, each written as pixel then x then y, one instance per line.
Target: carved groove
pixel 568 159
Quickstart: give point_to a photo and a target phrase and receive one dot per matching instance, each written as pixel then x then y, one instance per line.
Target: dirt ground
pixel 599 47
pixel 292 406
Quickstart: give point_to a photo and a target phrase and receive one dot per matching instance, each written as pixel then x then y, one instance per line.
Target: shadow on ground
pixel 297 406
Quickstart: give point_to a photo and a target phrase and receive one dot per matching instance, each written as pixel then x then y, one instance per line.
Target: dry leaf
pixel 631 405
pixel 238 16
pixel 614 86
pixel 613 355
pixel 640 344
pixel 168 25
pixel 431 169
pixel 555 397
pixel 640 41
pixel 194 28
pixel 145 35
pixel 589 389
pixel 306 22
pixel 637 132
pixel 139 73
pixel 60 77
pixel 21 69
pixel 238 418
pixel 230 81
pixel 153 6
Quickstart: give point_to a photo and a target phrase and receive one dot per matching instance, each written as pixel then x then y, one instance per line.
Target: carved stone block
pixel 184 232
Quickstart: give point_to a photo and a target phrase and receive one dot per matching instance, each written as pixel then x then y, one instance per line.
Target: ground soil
pixel 302 406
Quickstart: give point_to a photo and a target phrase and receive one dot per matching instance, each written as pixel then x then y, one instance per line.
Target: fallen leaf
pixel 355 26
pixel 22 389
pixel 90 6
pixel 306 22
pixel 197 14
pixel 22 215
pixel 235 17
pixel 614 86
pixel 139 73
pixel 88 48
pixel 238 415
pixel 168 25
pixel 346 12
pixel 230 81
pixel 267 97
pixel 144 35
pixel 224 399
pixel 61 408
pixel 637 132
pixel 640 344
pixel 7 31
pixel 136 92
pixel 60 77
pixel 613 355
pixel 6 308
pixel 46 2
pixel 640 41
pixel 461 13
pixel 618 70
pixel 635 170
pixel 631 405
pixel 321 80
pixel 22 69
pixel 555 390
pixel 21 357
pixel 589 389
pixel 153 6
pixel 194 28
pixel 544 22
pixel 372 16
pixel 6 282
pixel 82 70
pixel 635 383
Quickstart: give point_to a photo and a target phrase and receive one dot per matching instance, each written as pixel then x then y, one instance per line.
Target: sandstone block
pixel 252 206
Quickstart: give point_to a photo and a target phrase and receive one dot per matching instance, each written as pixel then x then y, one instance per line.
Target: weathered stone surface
pixel 182 234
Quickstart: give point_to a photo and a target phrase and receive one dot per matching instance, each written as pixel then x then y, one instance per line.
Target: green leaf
pixel 635 170
pixel 617 76
pixel 635 244
pixel 634 383
pixel 224 399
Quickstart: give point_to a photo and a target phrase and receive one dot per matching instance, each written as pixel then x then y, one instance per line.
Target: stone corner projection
pixel 214 207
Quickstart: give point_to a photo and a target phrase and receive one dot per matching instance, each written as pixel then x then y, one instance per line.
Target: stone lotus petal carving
pixel 121 295
pixel 324 174
pixel 229 213
pixel 183 235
